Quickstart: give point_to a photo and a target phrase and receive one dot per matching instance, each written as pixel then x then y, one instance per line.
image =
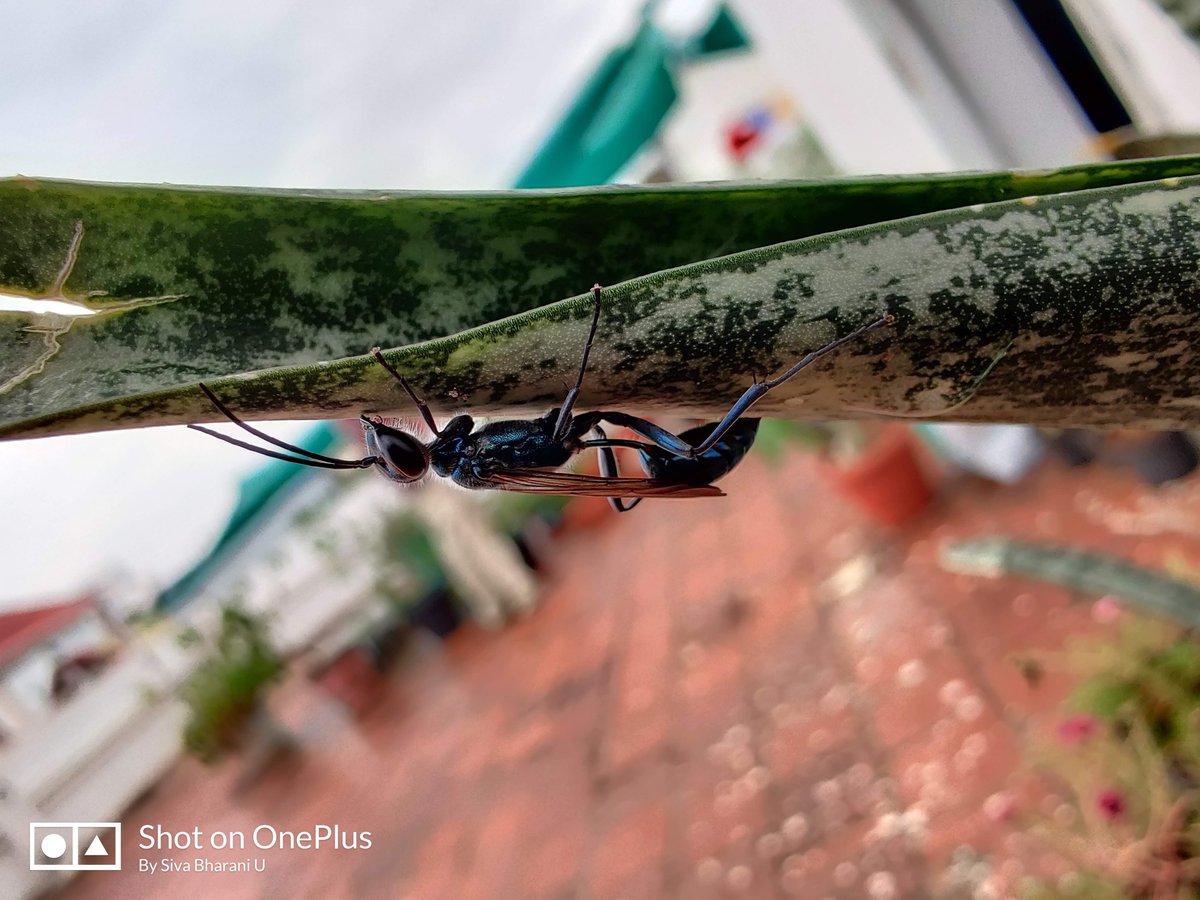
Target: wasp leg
pixel 676 445
pixel 661 438
pixel 563 425
pixel 755 392
pixel 609 468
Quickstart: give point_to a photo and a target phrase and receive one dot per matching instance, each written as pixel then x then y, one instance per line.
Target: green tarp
pixel 622 106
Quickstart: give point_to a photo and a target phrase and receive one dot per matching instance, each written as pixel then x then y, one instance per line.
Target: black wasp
pixel 526 454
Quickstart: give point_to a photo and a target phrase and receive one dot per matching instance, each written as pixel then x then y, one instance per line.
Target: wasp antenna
pixel 262 435
pixel 363 463
pixel 421 405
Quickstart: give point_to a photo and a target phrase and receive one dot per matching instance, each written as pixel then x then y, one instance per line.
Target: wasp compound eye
pixel 403 453
pixel 398 454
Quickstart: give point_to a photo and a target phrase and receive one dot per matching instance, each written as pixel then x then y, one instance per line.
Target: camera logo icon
pixel 74 846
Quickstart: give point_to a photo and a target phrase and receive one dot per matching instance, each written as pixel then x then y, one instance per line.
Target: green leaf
pixel 776 436
pixel 1096 574
pixel 1103 696
pixel 1074 307
pixel 1182 662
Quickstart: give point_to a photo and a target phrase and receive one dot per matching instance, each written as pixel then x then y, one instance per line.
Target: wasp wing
pixel 544 481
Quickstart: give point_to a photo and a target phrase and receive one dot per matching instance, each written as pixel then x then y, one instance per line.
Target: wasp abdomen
pixel 715 462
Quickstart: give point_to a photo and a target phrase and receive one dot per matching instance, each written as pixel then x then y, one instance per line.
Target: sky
pixel 379 94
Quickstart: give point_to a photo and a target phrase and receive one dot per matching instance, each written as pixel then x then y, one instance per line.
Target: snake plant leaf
pixel 1067 296
pixel 1090 573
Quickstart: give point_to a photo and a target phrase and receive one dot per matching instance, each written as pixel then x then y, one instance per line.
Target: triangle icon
pixel 96 848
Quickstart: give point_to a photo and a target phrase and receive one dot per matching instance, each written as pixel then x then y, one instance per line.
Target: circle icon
pixel 54 846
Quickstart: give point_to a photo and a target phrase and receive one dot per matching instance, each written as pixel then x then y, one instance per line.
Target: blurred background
pixel 794 691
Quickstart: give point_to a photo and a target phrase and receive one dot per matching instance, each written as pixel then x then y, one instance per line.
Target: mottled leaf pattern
pixel 1059 297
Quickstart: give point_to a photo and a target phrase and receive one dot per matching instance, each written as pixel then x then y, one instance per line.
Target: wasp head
pixel 398 455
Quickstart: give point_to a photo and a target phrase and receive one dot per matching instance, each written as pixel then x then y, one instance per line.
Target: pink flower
pixel 1077 729
pixel 1106 609
pixel 1112 804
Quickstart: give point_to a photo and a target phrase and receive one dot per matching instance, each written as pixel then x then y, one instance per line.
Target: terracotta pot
pixel 886 481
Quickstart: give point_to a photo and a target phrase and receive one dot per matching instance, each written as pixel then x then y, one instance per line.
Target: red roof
pixel 24 629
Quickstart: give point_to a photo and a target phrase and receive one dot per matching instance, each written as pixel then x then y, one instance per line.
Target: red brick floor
pixel 760 696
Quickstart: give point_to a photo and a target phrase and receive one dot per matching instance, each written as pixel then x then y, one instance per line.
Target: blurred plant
pixel 226 689
pixel 1149 677
pixel 1179 565
pixel 1090 573
pixel 510 512
pixel 409 566
pixel 189 637
pixel 1128 763
pixel 1129 829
